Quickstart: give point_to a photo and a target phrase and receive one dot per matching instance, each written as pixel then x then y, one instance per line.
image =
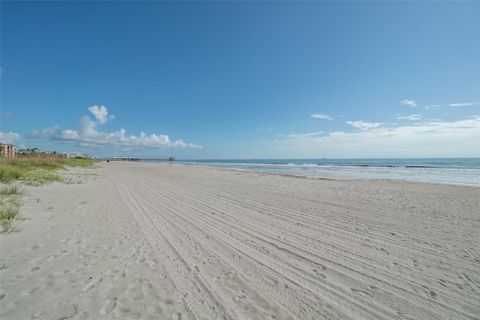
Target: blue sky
pixel 242 80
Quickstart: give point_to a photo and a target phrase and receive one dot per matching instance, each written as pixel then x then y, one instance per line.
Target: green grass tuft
pixel 49 165
pixel 41 176
pixel 10 190
pixel 8 213
pixel 6 225
pixel 10 173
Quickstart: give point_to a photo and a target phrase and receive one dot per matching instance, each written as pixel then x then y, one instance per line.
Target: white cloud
pixel 465 104
pixel 70 135
pixel 295 135
pixel 362 125
pixel 412 117
pixel 455 105
pixel 101 113
pixel 89 136
pixel 321 116
pixel 409 102
pixel 428 139
pixel 9 137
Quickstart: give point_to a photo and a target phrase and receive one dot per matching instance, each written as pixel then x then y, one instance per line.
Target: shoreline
pixel 142 240
pixel 321 177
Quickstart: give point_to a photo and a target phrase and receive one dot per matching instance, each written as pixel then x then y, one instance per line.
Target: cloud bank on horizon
pixel 9 137
pixel 425 139
pixel 411 138
pixel 89 136
pixel 435 138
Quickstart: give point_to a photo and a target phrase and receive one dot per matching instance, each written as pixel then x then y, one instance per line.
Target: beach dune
pixel 152 241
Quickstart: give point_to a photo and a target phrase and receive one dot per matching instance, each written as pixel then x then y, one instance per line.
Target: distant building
pixel 8 150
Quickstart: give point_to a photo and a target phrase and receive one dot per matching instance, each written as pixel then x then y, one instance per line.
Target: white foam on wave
pixel 456 176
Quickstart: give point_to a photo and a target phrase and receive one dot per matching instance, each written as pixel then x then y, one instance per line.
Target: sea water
pixel 459 171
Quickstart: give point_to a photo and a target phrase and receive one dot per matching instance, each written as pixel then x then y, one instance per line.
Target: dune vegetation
pixel 9 205
pixel 34 168
pixel 38 168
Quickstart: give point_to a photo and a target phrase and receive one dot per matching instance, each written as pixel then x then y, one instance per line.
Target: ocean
pixel 458 171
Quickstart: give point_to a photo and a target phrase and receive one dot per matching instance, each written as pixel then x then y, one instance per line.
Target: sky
pixel 235 80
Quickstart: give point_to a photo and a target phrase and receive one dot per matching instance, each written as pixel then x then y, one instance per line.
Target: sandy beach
pixel 152 241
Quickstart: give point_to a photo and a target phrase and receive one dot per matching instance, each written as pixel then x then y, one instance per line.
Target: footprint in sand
pixel 109 305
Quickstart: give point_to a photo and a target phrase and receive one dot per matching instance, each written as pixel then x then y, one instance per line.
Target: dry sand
pixel 151 241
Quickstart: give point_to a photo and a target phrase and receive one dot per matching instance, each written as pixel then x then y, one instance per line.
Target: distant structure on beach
pixel 75 155
pixel 8 150
pixel 137 159
pixel 126 159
